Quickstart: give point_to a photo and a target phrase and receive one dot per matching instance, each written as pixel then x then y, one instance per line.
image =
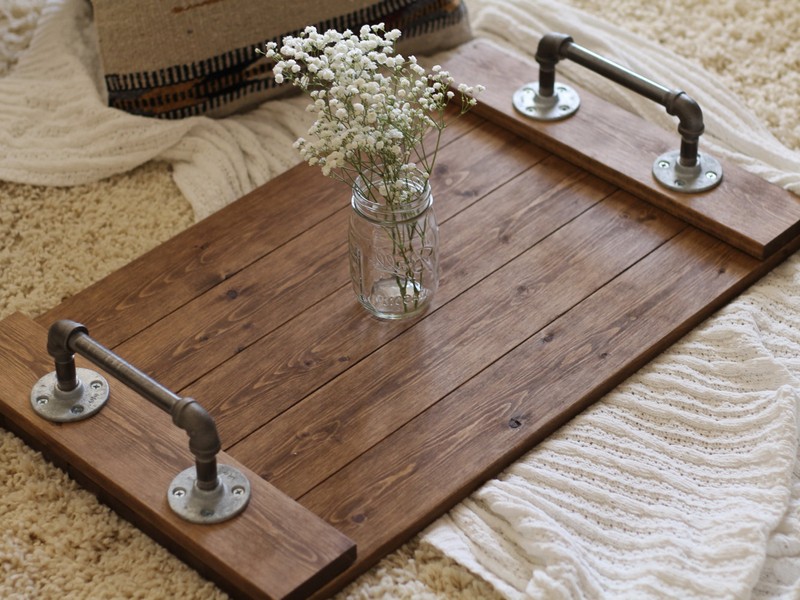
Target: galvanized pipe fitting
pixel 205 494
pixel 685 170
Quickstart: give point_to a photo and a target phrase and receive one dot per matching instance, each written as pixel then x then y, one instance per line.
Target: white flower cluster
pixel 373 107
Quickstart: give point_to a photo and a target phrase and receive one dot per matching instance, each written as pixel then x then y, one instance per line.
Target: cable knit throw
pixel 681 483
pixel 56 127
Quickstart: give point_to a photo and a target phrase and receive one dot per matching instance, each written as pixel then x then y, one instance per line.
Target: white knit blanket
pixel 682 483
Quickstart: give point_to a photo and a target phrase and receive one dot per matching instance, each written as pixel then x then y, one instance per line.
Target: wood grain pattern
pixel 556 286
pixel 516 402
pixel 340 421
pixel 744 210
pixel 131 451
pixel 335 334
pixel 208 253
pixel 308 268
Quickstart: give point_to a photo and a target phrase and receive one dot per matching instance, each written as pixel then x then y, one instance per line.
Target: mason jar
pixel 394 246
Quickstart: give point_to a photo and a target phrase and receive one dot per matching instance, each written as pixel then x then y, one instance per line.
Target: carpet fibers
pixel 56 540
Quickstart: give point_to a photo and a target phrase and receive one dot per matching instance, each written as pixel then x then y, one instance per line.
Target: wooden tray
pixel 557 284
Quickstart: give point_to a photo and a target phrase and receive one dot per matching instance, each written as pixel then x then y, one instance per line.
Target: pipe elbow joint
pixel 204 440
pixel 58 337
pixel 550 48
pixel 689 113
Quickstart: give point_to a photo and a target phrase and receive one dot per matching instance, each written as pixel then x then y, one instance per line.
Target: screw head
pixel 179 492
pixel 711 175
pixel 42 400
pixel 77 409
pixel 663 164
pixel 238 490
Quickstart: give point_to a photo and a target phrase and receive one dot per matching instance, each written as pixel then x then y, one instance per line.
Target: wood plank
pixel 554 289
pixel 501 413
pixel 744 210
pixel 130 452
pixel 208 253
pixel 328 429
pixel 309 268
pixel 197 259
pixel 331 336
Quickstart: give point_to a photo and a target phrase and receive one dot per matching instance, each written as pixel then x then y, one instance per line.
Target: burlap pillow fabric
pixel 176 58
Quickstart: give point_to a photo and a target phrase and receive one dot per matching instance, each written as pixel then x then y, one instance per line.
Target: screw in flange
pixel 84 400
pixel 196 505
pixel 703 176
pixel 179 492
pixel 563 102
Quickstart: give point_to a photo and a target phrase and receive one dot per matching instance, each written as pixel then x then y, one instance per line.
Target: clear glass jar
pixel 394 246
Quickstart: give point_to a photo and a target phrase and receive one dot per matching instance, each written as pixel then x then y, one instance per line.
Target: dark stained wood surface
pixel 329 338
pixel 309 268
pixel 311 441
pixel 390 491
pixel 747 212
pixel 130 452
pixel 208 253
pixel 556 285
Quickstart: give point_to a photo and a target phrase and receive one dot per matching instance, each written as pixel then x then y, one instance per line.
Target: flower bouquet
pixel 374 112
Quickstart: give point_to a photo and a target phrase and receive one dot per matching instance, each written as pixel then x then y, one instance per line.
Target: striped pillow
pixel 177 58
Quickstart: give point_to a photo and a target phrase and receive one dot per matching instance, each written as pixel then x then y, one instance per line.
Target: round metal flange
pixel 53 404
pixel 224 502
pixel 563 103
pixel 705 175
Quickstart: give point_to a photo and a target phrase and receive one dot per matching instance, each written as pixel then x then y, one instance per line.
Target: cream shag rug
pixel 56 540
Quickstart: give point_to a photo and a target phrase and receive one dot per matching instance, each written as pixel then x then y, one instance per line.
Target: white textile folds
pixel 678 484
pixel 56 129
pixel 682 483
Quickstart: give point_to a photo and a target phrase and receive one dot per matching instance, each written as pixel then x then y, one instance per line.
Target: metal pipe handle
pixel 207 494
pixel 685 170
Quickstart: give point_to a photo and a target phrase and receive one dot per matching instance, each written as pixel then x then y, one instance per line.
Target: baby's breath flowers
pixel 374 110
pixel 373 107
